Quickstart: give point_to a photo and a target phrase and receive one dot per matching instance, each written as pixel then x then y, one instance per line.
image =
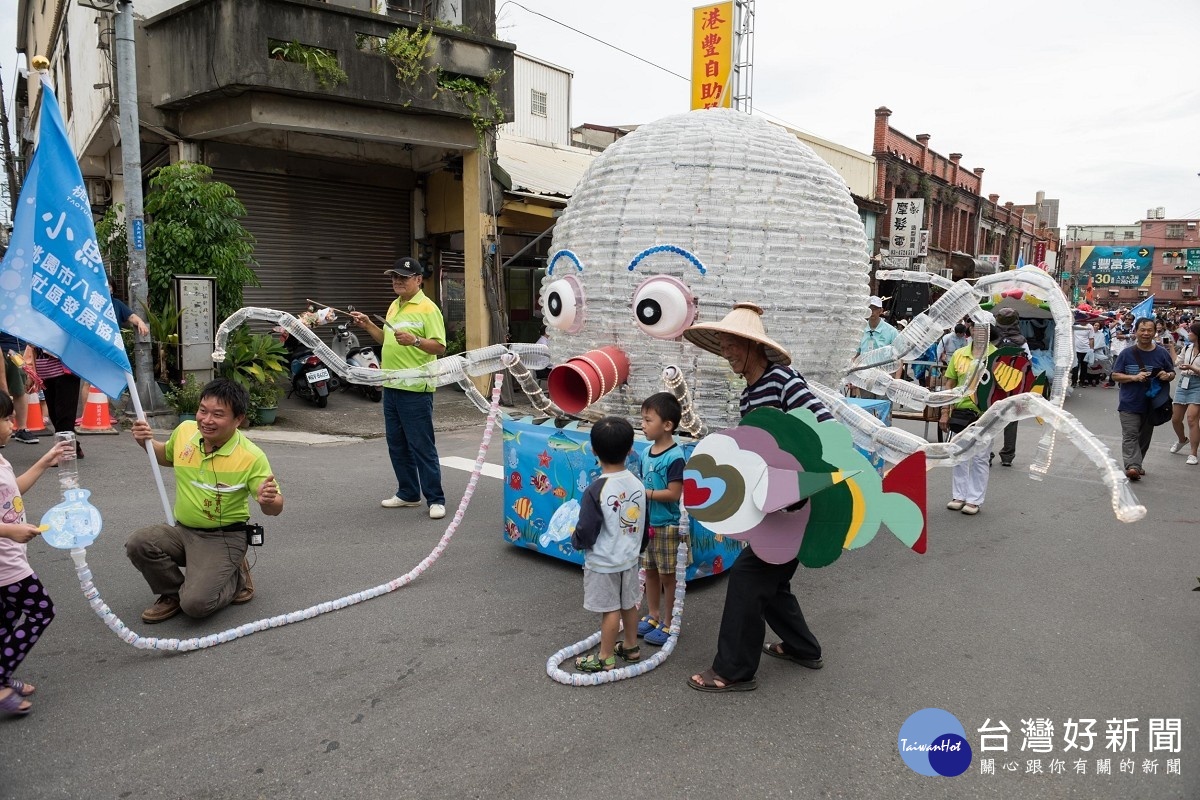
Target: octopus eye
pixel 663 307
pixel 562 304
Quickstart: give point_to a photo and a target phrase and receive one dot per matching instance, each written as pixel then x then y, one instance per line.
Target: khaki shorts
pixel 16 378
pixel 611 591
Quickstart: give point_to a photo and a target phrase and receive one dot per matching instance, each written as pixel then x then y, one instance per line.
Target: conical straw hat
pixel 745 321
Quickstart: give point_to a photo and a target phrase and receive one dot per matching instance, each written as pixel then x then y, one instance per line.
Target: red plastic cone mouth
pixel 584 379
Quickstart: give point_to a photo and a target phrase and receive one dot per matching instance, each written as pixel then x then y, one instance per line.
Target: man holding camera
pixel 217 470
pixel 1144 373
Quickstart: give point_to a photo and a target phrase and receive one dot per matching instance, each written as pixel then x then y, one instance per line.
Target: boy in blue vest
pixel 662 472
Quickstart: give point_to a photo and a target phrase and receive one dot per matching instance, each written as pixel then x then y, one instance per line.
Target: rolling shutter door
pixel 321 239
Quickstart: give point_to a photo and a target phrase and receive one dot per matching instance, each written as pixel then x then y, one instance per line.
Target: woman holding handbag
pixel 1187 395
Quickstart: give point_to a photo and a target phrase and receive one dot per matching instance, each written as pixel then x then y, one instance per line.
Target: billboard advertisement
pixel 1117 267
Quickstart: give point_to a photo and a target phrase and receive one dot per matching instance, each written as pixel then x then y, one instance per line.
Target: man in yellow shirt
pixel 415 337
pixel 217 471
pixel 969 477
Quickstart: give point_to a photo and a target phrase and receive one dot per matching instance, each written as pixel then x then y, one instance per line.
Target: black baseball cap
pixel 406 267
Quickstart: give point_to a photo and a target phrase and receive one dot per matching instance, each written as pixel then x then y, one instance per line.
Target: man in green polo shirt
pixel 415 337
pixel 217 471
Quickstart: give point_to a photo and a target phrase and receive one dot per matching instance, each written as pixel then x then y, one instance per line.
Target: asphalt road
pixel 1041 607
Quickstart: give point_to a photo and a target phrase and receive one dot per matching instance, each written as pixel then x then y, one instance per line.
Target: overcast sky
pixel 1096 102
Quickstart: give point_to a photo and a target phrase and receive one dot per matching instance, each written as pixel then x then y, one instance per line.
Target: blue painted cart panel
pixel 545 467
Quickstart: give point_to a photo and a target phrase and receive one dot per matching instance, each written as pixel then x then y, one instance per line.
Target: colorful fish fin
pixel 786 487
pixel 908 479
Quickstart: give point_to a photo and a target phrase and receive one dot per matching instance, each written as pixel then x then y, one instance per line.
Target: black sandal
pixel 776 650
pixel 631 655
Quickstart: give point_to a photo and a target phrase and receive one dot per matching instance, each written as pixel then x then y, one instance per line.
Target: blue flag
pixel 53 288
pixel 1020 260
pixel 1144 309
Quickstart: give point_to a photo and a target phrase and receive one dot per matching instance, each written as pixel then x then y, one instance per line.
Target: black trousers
pixel 760 594
pixel 1009 451
pixel 62 401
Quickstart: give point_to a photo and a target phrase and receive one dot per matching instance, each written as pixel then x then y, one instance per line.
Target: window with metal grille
pixel 537 103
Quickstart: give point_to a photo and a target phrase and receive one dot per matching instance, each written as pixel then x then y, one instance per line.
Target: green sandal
pixel 593 663
pixel 631 655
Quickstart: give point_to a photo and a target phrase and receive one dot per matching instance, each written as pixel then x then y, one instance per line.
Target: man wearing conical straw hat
pixel 758 593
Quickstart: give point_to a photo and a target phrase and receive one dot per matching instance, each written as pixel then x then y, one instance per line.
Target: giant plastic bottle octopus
pixel 686 216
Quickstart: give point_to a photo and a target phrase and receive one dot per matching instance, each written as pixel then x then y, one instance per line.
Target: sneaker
pixel 1193 461
pixel 437 511
pixel 163 609
pixel 396 502
pixel 1175 448
pixel 246 593
pixel 28 438
pixel 970 509
pixel 956 505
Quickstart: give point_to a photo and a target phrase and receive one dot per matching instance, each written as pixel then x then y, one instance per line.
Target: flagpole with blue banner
pixel 1144 309
pixel 53 288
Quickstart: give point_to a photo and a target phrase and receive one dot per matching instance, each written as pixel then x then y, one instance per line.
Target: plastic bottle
pixel 68 468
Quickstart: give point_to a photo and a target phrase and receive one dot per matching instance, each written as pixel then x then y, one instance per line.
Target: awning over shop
pixel 545 170
pixel 984 267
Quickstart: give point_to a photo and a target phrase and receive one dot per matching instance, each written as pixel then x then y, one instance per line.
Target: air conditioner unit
pixel 948 274
pixel 1191 226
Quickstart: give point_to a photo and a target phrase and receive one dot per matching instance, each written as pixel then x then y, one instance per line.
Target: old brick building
pixel 964 227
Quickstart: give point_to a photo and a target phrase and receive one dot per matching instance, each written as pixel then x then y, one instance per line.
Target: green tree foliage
pixel 194 229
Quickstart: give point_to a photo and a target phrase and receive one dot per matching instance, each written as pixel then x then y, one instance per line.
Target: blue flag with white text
pixel 53 288
pixel 1144 309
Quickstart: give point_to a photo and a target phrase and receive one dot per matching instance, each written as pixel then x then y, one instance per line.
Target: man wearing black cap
pixel 416 337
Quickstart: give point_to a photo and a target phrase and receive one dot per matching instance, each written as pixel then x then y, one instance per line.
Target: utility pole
pixel 10 163
pixel 135 224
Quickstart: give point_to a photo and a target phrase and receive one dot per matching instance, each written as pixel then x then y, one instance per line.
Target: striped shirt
pixel 783 388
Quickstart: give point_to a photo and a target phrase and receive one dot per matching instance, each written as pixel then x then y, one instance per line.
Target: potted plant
pixel 164 337
pixel 252 358
pixel 184 398
pixel 264 403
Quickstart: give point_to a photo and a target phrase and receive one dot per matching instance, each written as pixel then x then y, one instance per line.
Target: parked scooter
pixel 311 379
pixel 345 344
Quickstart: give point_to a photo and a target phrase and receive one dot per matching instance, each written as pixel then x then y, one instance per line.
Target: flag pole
pixel 154 465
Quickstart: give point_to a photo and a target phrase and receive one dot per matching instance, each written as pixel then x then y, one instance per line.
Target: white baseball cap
pixel 874 302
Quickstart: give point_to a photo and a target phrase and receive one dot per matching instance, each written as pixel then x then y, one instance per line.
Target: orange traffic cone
pixel 95 414
pixel 34 421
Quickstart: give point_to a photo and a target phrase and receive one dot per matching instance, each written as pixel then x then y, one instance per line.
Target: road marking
pixel 466 465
